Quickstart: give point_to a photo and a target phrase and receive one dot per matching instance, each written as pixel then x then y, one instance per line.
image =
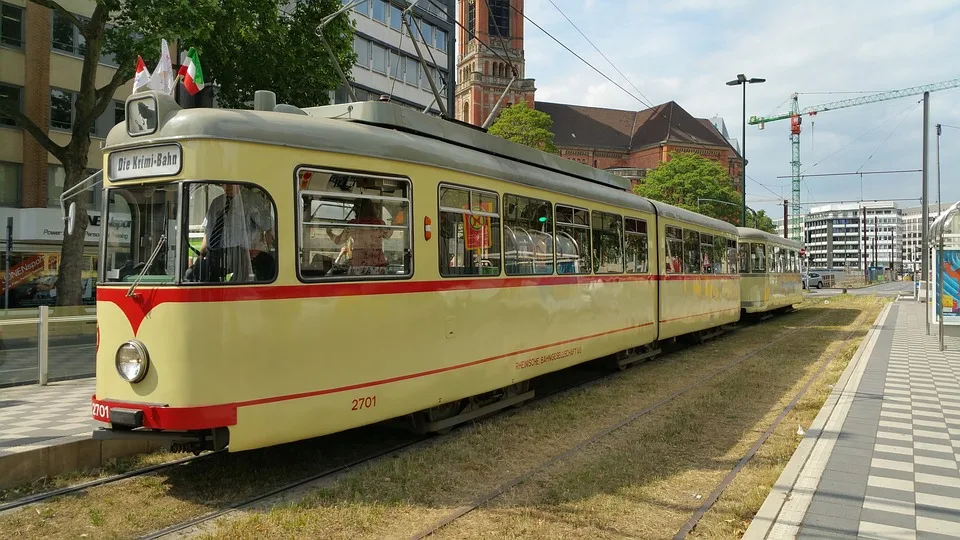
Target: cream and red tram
pixel 275 275
pixel 769 271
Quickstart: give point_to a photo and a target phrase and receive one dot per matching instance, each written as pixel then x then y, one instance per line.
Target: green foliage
pixel 526 126
pixel 244 45
pixel 687 177
pixel 763 222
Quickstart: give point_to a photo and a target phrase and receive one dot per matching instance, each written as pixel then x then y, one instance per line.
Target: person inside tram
pixel 366 247
pixel 237 235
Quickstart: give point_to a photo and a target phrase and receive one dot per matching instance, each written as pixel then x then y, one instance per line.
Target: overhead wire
pixel 864 134
pixel 887 138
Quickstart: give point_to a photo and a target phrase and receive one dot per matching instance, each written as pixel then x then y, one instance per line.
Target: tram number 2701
pixel 364 403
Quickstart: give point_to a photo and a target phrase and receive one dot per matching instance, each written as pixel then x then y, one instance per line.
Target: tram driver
pixel 237 237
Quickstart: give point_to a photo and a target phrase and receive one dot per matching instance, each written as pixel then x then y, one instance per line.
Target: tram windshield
pixel 227 234
pixel 141 234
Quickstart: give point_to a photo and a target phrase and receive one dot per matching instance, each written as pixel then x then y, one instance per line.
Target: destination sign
pixel 165 160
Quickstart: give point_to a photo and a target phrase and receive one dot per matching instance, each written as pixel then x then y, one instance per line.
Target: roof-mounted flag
pixel 142 78
pixel 191 72
pixel 162 79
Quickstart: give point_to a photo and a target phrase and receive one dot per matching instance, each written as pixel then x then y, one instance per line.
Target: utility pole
pixel 925 250
pixel 876 238
pixel 786 234
pixel 866 272
pixel 6 279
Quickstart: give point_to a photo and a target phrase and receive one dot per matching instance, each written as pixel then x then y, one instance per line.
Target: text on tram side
pixel 538 360
pixel 364 403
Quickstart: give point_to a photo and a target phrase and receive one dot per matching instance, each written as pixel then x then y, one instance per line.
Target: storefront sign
pixel 163 160
pixel 46 224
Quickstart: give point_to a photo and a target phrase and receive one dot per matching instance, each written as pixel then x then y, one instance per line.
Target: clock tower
pixel 482 74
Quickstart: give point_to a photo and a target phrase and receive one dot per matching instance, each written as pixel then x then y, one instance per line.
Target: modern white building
pixel 841 237
pixel 387 61
pixel 913 235
pixel 778 224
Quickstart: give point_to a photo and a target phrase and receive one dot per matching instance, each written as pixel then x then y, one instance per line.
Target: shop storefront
pixel 35 256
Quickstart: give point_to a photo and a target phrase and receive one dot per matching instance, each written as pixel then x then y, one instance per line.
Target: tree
pixel 686 179
pixel 526 126
pixel 763 222
pixel 244 45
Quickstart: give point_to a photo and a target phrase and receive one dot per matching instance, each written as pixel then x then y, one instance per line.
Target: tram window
pixel 744 258
pixel 674 252
pixel 635 246
pixel 469 232
pixel 758 257
pixel 230 234
pixel 774 260
pixel 691 252
pixel 141 234
pixel 607 243
pixel 731 256
pixel 719 254
pixel 353 226
pixel 793 262
pixel 573 240
pixel 706 253
pixel 527 236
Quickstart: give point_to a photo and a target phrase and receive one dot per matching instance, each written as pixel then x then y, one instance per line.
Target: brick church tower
pixel 482 76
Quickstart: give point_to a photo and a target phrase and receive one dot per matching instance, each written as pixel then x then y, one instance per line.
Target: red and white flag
pixel 142 78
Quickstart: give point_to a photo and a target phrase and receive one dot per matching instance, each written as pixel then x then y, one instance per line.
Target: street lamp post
pixel 743 81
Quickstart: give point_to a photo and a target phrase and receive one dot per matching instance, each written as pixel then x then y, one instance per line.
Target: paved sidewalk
pixel 881 459
pixel 35 416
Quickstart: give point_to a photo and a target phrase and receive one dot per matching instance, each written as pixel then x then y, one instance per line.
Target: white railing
pixel 11 360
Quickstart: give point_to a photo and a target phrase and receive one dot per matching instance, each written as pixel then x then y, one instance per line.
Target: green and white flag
pixel 191 72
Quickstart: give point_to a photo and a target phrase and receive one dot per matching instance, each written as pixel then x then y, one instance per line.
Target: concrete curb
pixel 783 491
pixel 65 455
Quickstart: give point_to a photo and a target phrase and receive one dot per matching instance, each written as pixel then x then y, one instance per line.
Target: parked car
pixel 812 279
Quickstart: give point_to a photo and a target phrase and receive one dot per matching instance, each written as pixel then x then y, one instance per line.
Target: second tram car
pixel 769 271
pixel 280 274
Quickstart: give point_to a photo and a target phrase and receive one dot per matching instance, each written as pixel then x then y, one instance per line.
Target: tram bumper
pixel 181 429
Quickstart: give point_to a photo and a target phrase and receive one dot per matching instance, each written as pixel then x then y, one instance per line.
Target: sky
pixel 686 50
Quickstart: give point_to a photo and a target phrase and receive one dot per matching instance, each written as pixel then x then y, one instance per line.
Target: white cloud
pixel 686 50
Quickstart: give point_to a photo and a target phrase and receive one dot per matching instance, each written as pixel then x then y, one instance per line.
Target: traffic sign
pixel 803 252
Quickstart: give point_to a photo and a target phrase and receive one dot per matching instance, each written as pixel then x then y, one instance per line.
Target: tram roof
pixel 390 131
pixel 749 233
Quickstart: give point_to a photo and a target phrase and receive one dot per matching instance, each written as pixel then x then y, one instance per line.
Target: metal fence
pixel 47 344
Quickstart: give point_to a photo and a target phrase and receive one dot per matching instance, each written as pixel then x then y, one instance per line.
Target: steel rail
pixel 503 488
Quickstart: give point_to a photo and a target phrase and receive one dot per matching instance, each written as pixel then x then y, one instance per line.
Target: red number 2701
pixel 364 403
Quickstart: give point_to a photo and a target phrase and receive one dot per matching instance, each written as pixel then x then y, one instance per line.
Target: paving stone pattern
pixel 894 471
pixel 34 416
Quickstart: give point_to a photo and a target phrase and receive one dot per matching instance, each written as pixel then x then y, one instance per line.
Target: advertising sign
pixel 477 228
pixel 948 302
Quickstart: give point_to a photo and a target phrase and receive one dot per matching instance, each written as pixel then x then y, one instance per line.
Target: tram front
pixel 174 246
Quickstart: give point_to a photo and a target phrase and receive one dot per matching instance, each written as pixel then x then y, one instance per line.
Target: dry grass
pixel 641 480
pixel 109 468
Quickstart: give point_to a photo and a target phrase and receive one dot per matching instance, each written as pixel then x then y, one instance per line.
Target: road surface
pixel 893 288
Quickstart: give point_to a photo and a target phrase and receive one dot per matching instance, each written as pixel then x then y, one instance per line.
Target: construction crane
pixel 795 115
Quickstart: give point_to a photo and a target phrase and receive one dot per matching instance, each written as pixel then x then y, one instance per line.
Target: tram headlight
pixel 132 361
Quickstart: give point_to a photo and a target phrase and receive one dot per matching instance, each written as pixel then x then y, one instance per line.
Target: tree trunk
pixel 69 285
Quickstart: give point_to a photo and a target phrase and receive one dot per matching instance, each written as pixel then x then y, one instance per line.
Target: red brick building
pixel 633 142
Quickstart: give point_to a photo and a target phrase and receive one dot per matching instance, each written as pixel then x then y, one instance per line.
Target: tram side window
pixel 719 254
pixel 353 225
pixel 527 236
pixel 793 262
pixel 674 252
pixel 230 233
pixel 691 252
pixel 573 240
pixel 731 256
pixel 469 232
pixel 775 260
pixel 607 243
pixel 758 257
pixel 707 260
pixel 635 246
pixel 745 258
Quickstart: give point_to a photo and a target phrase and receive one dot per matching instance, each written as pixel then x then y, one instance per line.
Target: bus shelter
pixel 945 254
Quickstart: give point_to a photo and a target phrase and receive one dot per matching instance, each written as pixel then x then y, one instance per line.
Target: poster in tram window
pixel 949 302
pixel 477 228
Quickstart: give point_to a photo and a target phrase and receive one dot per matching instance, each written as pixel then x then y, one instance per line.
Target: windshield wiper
pixel 156 250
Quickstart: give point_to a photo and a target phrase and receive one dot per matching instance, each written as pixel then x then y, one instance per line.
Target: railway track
pixel 708 503
pixel 580 378
pixel 517 480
